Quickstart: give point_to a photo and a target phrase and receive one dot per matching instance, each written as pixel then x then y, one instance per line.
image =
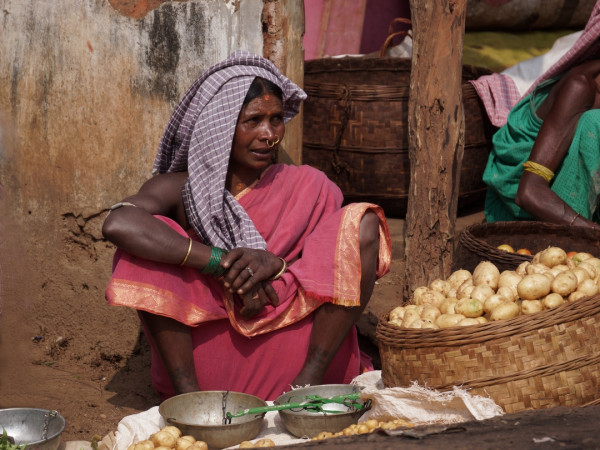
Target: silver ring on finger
pixel 250 271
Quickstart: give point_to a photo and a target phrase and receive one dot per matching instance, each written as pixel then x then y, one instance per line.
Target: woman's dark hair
pixel 261 86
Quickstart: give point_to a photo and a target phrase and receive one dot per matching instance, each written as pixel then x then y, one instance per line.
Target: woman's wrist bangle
pixel 573 219
pixel 214 262
pixel 278 274
pixel 187 255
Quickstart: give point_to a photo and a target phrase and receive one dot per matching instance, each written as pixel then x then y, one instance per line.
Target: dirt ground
pixel 93 365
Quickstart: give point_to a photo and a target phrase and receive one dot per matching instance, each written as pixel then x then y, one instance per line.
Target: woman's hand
pixel 248 272
pixel 257 298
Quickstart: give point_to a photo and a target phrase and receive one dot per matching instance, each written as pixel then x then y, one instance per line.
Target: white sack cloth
pixel 421 405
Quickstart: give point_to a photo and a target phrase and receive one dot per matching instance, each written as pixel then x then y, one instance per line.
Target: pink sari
pixel 298 212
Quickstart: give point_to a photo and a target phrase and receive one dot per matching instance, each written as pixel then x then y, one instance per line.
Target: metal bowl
pixel 201 414
pixel 303 423
pixel 39 429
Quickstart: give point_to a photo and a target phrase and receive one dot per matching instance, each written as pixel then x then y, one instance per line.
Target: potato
pixel 144 445
pixel 409 318
pixel 469 307
pixel 522 268
pixel 448 320
pixel 574 296
pixel 552 301
pixel 553 256
pixel 509 278
pixel 482 292
pixel 163 438
pixel 533 286
pixel 428 325
pixel 581 256
pixel 481 319
pixel 198 445
pixel 465 289
pixel 248 444
pixel 184 442
pixel 467 321
pixel 440 285
pixel 458 277
pixel 588 287
pixel 564 283
pixel 430 312
pixel 432 297
pixel 531 306
pixel 508 293
pixel 416 323
pixel 594 262
pixel 173 430
pixel 447 306
pixel 506 310
pixel 589 268
pixel 397 314
pixel 413 308
pixel 537 268
pixel 493 301
pixel 581 274
pixel 486 273
pixel 264 443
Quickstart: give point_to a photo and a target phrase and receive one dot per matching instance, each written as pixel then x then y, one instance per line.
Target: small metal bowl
pixel 201 414
pixel 303 423
pixel 39 429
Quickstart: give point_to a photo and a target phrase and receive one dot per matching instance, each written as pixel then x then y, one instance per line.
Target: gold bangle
pixel 278 274
pixel 187 255
pixel 538 169
pixel 573 219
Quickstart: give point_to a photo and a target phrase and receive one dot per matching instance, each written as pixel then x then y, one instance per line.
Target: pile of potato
pixel 169 438
pixel 367 426
pixel 546 282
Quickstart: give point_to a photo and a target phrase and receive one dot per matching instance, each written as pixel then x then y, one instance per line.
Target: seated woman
pixel 248 275
pixel 545 162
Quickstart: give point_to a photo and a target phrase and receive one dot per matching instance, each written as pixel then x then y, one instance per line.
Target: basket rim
pixel 472 237
pixel 396 336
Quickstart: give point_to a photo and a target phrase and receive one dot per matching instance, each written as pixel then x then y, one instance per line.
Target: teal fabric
pixel 577 180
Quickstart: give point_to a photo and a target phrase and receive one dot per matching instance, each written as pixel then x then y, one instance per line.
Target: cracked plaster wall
pixel 86 89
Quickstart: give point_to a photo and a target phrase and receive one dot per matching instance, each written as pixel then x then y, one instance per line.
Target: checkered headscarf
pixel 199 137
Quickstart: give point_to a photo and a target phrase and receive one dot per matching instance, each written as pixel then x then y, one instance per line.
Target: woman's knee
pixel 369 230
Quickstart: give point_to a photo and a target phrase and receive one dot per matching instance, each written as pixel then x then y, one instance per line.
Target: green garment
pixel 577 180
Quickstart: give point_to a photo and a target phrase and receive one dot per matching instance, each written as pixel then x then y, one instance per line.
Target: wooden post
pixel 283 25
pixel 436 139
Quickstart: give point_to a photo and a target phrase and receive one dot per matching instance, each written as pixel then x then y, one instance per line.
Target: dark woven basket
pixel 479 242
pixel 542 360
pixel 356 130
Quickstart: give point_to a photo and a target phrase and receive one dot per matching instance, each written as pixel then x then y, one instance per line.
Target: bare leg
pixel 173 342
pixel 332 323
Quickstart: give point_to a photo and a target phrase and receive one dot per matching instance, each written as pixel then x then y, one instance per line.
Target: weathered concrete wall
pixel 86 89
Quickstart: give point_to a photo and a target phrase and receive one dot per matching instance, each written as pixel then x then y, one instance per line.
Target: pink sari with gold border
pixel 297 210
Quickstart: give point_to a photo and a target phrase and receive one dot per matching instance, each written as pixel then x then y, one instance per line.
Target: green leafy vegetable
pixel 6 444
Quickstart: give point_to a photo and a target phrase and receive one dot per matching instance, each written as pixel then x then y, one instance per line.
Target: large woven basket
pixel 356 130
pixel 542 360
pixel 479 242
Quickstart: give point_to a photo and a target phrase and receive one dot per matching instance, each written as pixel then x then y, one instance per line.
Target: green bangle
pixel 214 262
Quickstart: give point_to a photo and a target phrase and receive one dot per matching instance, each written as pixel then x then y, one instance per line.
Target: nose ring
pixel 272 144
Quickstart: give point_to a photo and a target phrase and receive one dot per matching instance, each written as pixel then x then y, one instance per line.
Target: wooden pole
pixel 283 24
pixel 436 139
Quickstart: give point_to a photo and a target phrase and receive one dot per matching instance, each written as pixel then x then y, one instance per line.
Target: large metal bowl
pixel 201 414
pixel 303 423
pixel 39 429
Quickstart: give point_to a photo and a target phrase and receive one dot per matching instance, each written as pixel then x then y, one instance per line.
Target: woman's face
pixel 260 120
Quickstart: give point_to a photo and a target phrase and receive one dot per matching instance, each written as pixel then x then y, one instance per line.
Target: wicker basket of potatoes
pixel 529 338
